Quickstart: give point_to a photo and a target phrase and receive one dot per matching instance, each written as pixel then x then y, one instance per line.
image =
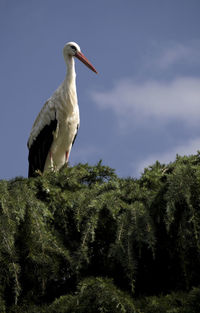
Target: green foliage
pixel 84 240
pixel 176 302
pixel 94 295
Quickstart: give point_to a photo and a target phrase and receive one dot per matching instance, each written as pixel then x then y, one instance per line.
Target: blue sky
pixel 143 106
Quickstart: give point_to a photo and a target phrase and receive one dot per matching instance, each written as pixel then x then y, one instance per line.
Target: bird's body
pixel 55 128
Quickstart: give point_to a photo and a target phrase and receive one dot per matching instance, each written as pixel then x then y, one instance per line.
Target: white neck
pixel 71 74
pixel 69 85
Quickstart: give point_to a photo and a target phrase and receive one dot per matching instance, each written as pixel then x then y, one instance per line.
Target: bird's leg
pixel 66 156
pixel 51 161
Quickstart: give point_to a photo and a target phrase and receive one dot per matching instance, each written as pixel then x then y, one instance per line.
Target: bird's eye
pixel 73 48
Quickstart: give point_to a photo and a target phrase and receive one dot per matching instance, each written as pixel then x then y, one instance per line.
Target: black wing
pixel 75 134
pixel 40 147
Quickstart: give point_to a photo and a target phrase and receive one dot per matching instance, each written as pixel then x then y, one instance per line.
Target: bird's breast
pixel 65 132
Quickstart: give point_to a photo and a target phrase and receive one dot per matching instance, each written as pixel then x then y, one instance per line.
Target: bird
pixel 55 128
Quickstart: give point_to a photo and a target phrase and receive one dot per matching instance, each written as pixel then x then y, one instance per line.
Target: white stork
pixel 55 128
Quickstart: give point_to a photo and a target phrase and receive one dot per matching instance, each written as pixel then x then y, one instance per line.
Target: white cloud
pixel 173 53
pixel 166 55
pixel 188 148
pixel 157 101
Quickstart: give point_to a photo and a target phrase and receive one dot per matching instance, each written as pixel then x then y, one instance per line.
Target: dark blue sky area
pixel 143 105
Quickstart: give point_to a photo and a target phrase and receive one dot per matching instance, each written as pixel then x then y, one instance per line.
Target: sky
pixel 144 104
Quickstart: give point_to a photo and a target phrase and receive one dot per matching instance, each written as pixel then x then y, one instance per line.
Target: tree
pixel 85 240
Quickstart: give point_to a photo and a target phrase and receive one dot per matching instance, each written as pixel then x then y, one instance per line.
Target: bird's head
pixel 72 49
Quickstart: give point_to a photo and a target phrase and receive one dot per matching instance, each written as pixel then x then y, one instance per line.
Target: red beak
pixel 83 59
